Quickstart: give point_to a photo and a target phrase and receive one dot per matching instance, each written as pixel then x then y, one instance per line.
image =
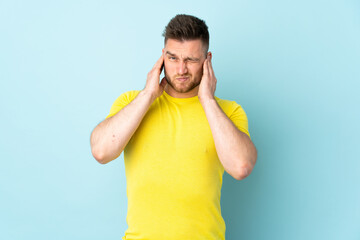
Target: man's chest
pixel 173 139
pixel 178 128
pixel 174 147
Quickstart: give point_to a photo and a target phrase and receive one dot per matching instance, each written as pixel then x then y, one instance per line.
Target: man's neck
pixel 169 90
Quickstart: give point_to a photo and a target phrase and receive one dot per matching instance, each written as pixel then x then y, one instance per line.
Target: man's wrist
pixel 206 100
pixel 148 95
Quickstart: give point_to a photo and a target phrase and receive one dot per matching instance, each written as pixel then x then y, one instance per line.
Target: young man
pixel 178 138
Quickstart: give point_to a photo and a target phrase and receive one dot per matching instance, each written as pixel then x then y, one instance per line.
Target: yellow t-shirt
pixel 173 173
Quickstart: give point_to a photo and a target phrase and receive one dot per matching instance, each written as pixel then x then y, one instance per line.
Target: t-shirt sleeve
pixel 239 118
pixel 123 100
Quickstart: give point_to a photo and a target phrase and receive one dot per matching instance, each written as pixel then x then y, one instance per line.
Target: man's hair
pixel 184 27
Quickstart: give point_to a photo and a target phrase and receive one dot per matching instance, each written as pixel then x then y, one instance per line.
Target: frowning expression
pixel 183 61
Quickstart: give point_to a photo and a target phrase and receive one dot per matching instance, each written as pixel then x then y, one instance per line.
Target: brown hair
pixel 184 27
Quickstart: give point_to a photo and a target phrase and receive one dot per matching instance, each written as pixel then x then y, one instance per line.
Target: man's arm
pixel 110 137
pixel 235 150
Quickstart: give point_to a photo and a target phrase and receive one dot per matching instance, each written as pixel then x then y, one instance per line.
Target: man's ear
pixel 209 54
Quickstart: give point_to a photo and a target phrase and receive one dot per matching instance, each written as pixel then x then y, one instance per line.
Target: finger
pixel 205 68
pixel 212 74
pixel 211 70
pixel 208 67
pixel 159 63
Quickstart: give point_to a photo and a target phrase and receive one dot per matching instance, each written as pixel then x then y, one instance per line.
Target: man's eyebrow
pixel 188 58
pixel 172 54
pixel 192 59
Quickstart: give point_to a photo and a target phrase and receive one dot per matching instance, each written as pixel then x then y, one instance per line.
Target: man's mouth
pixel 182 79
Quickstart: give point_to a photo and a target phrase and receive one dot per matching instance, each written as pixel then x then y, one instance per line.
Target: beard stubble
pixel 190 87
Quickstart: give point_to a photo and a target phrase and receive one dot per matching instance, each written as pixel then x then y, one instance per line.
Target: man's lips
pixel 182 79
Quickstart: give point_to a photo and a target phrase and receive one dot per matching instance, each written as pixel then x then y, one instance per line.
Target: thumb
pixel 163 83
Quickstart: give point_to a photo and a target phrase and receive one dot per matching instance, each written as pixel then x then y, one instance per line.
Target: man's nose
pixel 182 68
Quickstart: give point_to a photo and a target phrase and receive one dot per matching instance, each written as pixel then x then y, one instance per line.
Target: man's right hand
pixel 153 86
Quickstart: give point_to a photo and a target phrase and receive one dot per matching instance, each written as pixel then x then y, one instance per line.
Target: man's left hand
pixel 208 80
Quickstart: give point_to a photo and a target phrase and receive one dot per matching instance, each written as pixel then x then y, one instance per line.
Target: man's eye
pixel 172 58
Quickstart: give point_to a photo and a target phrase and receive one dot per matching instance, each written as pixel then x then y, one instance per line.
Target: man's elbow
pixel 245 169
pixel 100 156
pixel 242 173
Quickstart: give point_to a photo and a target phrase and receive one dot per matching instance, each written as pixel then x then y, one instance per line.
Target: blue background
pixel 294 66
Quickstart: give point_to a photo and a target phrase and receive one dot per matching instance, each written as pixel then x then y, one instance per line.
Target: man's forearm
pixel 110 137
pixel 234 148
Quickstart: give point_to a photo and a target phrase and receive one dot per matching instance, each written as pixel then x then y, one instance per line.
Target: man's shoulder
pixel 126 97
pixel 225 102
pixel 236 114
pixel 129 95
pixel 121 101
pixel 228 106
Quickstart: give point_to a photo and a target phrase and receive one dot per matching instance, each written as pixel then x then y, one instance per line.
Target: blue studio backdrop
pixel 294 66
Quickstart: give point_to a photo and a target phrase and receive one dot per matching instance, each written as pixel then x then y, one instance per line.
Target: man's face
pixel 183 64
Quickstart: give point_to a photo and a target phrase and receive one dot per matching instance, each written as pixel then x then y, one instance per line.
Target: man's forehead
pixel 186 48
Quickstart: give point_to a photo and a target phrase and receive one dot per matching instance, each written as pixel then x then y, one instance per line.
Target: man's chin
pixel 181 89
pixel 185 89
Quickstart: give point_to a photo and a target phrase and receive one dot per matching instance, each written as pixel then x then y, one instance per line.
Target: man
pixel 178 138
